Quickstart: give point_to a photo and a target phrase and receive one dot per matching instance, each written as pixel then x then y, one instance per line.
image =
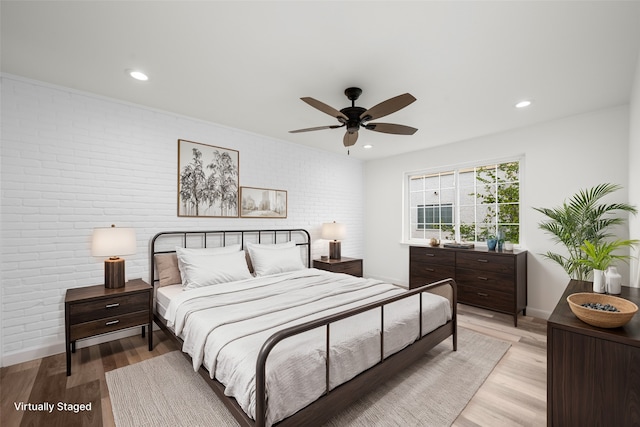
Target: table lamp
pixel 333 232
pixel 113 242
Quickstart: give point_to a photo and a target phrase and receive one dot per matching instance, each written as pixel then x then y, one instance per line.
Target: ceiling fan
pixel 356 117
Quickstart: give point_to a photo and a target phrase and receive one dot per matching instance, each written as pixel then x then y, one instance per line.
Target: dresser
pixel 593 374
pixel 492 280
pixel 352 266
pixel 95 310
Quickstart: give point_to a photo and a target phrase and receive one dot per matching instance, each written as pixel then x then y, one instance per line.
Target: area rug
pixel 165 391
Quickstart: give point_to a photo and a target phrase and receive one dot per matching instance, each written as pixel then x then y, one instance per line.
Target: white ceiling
pixel 246 64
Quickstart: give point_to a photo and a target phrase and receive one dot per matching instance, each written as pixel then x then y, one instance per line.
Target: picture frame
pixel 208 180
pixel 262 203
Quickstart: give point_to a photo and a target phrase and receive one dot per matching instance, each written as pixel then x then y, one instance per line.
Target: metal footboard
pixel 270 343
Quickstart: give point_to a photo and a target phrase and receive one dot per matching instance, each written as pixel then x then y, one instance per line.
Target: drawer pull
pixel 429 269
pixel 114 305
pixel 430 254
pixel 112 322
pixel 482 278
pixel 482 260
pixel 482 294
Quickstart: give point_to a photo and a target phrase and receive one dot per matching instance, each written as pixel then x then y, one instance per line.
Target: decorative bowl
pixel 601 318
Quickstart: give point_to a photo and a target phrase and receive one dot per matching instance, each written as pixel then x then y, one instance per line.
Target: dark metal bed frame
pixel 339 398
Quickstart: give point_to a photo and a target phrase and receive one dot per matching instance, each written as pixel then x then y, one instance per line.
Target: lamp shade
pixel 113 241
pixel 333 231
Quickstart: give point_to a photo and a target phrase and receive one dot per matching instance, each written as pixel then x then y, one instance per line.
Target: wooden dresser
pixel 593 374
pixel 493 280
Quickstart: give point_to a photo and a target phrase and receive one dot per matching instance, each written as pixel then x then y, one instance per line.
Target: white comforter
pixel 224 326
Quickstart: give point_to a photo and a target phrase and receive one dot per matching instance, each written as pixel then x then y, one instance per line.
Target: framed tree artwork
pixel 208 178
pixel 263 203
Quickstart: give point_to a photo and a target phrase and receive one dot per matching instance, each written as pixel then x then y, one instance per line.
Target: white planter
pixel 599 282
pixel 614 281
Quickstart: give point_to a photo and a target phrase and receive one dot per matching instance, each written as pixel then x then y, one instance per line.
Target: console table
pixel 593 374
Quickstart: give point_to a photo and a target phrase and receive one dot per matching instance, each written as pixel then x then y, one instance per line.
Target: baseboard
pixel 541 314
pixel 58 347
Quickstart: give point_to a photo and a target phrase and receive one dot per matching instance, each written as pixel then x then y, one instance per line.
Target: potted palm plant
pixel 582 218
pixel 600 256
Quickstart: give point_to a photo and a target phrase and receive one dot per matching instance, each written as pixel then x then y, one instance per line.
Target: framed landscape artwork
pixel 263 203
pixel 208 178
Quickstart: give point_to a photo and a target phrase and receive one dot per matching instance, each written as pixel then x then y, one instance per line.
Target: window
pixel 431 216
pixel 465 204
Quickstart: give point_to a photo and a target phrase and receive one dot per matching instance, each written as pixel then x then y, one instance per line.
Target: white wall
pixel 561 157
pixel 634 172
pixel 73 161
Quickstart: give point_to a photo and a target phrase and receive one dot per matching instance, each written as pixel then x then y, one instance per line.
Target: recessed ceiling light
pixel 523 103
pixel 138 75
pixel 367 146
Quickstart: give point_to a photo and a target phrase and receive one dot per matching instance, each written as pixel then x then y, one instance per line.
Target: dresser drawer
pixel 419 255
pixel 485 279
pixel 85 311
pixel 109 324
pixel 486 262
pixel 423 274
pixel 486 298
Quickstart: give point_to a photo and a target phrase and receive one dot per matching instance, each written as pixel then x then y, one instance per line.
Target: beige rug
pixel 165 391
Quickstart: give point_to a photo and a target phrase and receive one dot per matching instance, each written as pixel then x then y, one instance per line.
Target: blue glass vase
pixel 491 244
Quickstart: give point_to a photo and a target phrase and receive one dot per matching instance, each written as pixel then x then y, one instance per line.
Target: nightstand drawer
pixel 109 324
pixel 352 266
pixel 486 298
pixel 85 311
pixel 486 280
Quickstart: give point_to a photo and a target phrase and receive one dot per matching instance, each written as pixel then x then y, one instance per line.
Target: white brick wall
pixel 73 161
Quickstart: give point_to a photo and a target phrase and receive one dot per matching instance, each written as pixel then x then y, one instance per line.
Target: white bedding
pixel 164 295
pixel 224 327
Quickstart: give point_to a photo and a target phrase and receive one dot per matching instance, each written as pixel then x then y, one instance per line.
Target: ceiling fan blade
pixel 350 139
pixel 391 128
pixel 387 107
pixel 325 108
pixel 316 128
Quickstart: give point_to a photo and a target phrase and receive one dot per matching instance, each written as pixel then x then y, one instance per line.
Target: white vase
pixel 599 282
pixel 614 281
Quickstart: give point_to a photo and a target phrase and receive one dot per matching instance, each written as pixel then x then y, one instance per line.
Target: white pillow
pixel 212 268
pixel 274 258
pixel 186 252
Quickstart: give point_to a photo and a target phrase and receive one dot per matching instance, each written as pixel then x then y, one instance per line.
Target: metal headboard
pixel 222 237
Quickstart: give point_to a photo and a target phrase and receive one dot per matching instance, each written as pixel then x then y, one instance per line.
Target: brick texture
pixel 72 161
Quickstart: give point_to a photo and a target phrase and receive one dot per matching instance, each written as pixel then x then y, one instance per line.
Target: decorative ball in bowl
pixel 596 309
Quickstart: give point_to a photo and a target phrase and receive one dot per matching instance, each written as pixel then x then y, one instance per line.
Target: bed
pixel 282 343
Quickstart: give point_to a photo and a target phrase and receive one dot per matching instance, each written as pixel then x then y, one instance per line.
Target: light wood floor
pixel 514 394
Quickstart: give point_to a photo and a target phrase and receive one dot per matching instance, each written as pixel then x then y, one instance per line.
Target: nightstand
pixel 96 310
pixel 351 266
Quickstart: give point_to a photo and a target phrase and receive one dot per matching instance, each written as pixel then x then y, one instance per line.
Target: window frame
pixel 456 168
